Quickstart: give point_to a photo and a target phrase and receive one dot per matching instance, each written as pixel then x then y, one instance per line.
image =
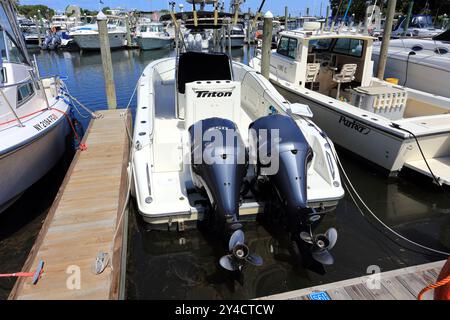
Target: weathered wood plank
pixel 400 284
pixel 85 218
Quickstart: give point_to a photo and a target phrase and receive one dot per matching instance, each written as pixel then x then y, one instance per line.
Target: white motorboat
pixel 86 36
pixel 150 36
pixel 374 119
pixel 420 26
pixel 236 38
pixel 422 64
pixel 33 125
pixel 181 177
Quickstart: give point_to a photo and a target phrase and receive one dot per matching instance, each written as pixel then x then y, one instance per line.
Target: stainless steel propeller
pixel 239 253
pixel 321 245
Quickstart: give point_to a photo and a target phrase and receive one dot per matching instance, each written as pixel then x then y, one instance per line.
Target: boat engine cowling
pixel 279 138
pixel 219 162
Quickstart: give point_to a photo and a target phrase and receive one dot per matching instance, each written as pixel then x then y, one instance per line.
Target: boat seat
pixel 346 75
pixel 312 71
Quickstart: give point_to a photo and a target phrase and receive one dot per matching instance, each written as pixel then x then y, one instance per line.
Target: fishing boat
pixel 420 26
pixel 236 38
pixel 30 31
pixel 422 64
pixel 33 124
pixel 390 125
pixel 151 35
pixel 215 143
pixel 86 36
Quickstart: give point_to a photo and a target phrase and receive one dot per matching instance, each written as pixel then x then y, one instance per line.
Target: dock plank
pixel 400 284
pixel 85 218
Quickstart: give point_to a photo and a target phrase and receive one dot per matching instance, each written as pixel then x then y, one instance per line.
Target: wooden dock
pixel 87 216
pixel 401 284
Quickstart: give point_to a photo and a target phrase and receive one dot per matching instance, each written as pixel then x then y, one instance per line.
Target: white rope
pixel 348 183
pixel 374 215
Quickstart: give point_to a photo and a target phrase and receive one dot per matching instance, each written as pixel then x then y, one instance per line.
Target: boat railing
pixel 38 83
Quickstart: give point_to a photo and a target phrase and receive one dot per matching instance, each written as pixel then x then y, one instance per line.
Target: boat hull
pixel 23 166
pixel 237 41
pixel 92 41
pixel 422 74
pixel 353 135
pixel 153 43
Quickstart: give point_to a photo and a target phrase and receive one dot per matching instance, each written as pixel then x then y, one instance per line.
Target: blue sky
pixel 276 6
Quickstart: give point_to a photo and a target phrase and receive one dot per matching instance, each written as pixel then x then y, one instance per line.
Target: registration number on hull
pixel 41 125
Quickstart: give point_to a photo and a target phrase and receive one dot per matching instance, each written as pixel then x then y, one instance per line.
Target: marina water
pixel 184 265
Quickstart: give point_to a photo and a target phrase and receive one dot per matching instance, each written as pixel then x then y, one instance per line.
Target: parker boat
pixel 33 125
pixel 183 175
pixel 87 38
pixel 422 64
pixel 150 36
pixel 375 119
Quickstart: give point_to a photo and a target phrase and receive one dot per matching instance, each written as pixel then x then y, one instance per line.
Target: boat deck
pixel 400 284
pixel 439 166
pixel 87 216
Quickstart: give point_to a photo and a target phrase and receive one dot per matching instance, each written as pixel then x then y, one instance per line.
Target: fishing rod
pixel 258 13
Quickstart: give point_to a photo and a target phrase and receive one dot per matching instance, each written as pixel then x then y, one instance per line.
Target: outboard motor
pixel 282 156
pixel 219 162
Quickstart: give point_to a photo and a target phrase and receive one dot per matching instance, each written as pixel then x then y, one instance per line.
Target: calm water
pixel 184 265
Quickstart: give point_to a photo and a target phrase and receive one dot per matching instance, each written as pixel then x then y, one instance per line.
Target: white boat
pixel 236 38
pixel 422 64
pixel 86 36
pixel 150 36
pixel 63 22
pixel 33 126
pixel 420 25
pixel 180 176
pixel 375 119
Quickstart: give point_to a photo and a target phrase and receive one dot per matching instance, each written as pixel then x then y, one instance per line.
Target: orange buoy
pixel 442 286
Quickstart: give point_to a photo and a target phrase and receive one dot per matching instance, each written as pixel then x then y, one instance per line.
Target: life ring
pixel 442 285
pixel 443 292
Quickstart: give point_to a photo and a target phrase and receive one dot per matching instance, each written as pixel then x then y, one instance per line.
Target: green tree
pixel 32 10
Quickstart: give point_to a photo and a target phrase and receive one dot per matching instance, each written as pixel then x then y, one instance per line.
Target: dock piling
pixel 106 60
pixel 266 44
pixel 127 23
pixel 386 37
pixel 286 9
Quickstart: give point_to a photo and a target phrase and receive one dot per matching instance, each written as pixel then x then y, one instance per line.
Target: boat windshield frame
pixel 11 31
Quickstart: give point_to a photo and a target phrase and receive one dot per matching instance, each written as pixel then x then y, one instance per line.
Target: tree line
pixel 358 7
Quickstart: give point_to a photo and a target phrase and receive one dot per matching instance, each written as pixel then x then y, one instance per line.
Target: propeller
pixel 321 245
pixel 239 253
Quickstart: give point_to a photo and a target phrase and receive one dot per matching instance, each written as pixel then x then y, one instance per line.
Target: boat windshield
pixel 9 38
pixel 318 45
pixel 421 22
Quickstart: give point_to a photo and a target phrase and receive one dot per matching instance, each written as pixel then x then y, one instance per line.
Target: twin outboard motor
pixel 282 156
pixel 219 162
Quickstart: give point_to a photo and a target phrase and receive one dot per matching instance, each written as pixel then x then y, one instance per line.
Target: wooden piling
pixel 408 17
pixel 266 44
pixel 386 37
pixel 106 60
pixel 127 23
pixel 286 18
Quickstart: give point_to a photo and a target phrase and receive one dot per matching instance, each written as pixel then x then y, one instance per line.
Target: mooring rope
pixel 352 188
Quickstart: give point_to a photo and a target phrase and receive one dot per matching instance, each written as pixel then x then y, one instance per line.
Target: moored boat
pixel 33 123
pixel 390 125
